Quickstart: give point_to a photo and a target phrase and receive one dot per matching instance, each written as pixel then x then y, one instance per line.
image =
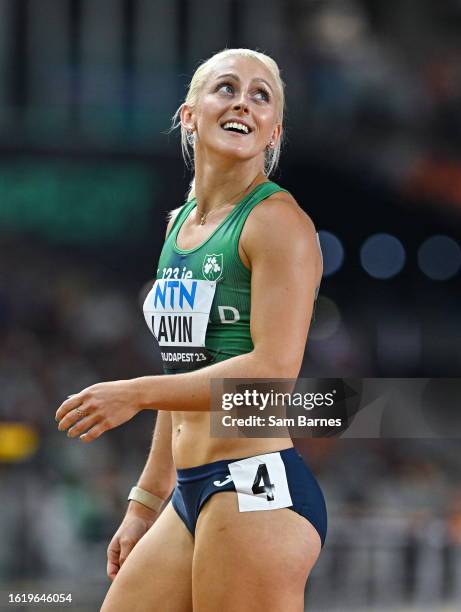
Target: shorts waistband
pixel 203 471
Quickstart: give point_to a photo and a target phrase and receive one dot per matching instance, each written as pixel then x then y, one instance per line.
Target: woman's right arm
pixel 158 477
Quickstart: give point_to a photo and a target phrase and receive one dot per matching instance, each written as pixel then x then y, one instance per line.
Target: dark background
pixel 88 172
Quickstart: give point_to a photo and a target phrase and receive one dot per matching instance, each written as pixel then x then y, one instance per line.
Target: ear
pixel 187 117
pixel 277 133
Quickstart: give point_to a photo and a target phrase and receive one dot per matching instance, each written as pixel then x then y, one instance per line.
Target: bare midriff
pixel 193 445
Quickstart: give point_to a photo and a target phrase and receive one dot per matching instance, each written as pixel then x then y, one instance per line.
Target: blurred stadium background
pixel 87 174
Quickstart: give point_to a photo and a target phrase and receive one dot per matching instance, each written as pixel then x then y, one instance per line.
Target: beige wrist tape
pixel 146 499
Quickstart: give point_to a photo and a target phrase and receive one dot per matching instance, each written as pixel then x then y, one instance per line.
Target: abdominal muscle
pixel 192 443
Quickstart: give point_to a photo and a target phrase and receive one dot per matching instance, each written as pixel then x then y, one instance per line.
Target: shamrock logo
pixel 212 266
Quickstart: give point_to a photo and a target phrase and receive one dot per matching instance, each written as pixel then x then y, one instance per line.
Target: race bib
pixel 177 313
pixel 261 483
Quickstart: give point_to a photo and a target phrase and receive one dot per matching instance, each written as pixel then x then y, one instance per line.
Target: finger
pixel 125 552
pixel 113 554
pixel 73 416
pixel 113 566
pixel 83 424
pixel 95 431
pixel 112 570
pixel 73 401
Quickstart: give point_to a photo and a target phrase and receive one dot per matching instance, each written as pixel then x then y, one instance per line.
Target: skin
pixel 158 477
pixel 225 160
pixel 289 262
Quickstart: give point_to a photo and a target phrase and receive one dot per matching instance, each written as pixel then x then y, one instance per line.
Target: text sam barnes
pixel 271 421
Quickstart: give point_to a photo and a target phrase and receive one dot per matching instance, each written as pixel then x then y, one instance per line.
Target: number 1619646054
pixel 39 598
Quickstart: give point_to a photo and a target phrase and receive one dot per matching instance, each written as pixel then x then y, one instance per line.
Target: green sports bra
pixel 199 307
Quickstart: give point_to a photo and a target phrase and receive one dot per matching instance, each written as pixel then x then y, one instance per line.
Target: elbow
pixel 278 366
pixel 287 370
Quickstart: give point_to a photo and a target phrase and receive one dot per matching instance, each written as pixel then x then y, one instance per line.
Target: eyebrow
pixel 234 76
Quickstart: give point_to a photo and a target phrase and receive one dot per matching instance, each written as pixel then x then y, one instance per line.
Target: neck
pixel 216 183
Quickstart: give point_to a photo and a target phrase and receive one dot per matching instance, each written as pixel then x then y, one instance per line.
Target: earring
pixel 272 144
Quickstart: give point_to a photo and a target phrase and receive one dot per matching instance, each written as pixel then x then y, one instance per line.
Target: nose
pixel 240 104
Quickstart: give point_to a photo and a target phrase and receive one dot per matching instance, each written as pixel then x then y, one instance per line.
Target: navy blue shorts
pixel 197 484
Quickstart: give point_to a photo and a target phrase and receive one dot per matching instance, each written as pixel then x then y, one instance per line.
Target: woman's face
pixel 237 112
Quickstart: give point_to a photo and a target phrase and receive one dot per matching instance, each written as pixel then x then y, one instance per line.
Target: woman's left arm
pixel 281 244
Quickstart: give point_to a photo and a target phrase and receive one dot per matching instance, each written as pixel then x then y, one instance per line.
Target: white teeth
pixel 237 126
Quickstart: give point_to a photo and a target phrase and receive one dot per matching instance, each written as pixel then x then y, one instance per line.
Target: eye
pixel 226 88
pixel 262 95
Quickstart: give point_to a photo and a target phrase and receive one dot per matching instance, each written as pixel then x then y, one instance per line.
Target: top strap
pixel 262 192
pixel 181 216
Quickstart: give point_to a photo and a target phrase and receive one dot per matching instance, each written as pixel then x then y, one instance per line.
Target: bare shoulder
pixel 171 216
pixel 278 219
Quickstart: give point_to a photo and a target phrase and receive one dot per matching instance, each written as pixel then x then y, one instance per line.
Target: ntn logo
pixel 172 293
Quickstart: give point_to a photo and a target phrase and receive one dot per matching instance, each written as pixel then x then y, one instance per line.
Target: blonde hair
pixel 196 86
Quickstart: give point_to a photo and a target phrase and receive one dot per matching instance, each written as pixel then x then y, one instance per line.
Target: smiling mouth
pixel 236 128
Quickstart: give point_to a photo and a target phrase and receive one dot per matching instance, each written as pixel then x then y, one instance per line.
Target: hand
pixel 138 520
pixel 98 408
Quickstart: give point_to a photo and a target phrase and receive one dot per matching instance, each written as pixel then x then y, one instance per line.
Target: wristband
pixel 146 499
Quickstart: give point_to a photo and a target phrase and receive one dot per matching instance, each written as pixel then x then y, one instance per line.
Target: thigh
pixel 157 575
pixel 253 561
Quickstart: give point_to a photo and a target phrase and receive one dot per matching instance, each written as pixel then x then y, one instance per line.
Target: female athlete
pixel 247 519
